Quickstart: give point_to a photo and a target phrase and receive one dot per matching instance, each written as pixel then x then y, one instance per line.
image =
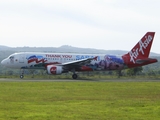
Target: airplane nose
pixel 3 62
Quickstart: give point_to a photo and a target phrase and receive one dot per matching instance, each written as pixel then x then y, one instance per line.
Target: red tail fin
pixel 140 51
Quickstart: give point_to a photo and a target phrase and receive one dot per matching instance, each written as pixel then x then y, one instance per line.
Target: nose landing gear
pixel 21 76
pixel 22 72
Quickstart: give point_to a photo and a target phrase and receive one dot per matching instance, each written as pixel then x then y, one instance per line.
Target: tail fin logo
pixel 142 45
pixel 145 44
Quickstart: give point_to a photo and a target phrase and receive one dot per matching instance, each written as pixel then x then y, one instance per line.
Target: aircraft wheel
pixel 74 76
pixel 21 76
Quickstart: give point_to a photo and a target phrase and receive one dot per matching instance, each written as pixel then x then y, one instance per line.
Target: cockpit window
pixel 11 59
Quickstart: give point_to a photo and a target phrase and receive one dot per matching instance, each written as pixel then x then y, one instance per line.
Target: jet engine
pixel 54 70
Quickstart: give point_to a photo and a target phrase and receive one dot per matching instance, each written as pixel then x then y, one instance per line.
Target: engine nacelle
pixel 54 70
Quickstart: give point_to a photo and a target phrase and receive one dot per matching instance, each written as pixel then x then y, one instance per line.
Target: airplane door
pixel 21 58
pixel 62 60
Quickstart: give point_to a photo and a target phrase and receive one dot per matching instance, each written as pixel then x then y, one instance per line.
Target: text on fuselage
pixel 58 56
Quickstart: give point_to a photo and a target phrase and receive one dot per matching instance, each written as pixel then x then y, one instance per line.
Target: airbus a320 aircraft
pixel 58 63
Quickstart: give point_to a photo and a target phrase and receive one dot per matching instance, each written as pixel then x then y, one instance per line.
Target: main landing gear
pixel 74 76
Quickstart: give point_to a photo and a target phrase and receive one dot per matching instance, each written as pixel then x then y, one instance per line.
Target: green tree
pixel 134 71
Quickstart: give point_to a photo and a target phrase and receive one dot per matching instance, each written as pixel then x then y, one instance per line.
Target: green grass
pixel 79 100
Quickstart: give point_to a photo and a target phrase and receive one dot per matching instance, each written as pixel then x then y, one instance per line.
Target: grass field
pixel 79 100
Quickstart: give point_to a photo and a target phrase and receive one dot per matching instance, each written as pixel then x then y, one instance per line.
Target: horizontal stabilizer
pixel 142 61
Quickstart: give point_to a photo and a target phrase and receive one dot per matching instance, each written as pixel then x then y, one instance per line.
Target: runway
pixel 77 80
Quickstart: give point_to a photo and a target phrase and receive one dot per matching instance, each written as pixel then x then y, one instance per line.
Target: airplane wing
pixel 77 65
pixel 69 65
pixel 79 62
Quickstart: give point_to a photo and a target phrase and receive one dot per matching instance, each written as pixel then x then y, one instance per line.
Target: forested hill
pixel 152 69
pixel 66 49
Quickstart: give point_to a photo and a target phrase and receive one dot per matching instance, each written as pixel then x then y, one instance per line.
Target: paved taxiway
pixel 77 80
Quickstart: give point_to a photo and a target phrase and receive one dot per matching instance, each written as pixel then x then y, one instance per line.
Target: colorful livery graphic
pixel 36 59
pixel 58 63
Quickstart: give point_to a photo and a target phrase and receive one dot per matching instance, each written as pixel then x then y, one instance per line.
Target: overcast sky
pixel 100 24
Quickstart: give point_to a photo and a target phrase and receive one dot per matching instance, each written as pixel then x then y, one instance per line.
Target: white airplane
pixel 58 63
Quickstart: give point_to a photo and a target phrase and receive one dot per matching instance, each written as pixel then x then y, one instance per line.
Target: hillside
pixel 66 49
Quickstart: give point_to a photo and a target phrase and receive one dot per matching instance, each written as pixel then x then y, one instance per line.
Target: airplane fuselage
pixel 33 60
